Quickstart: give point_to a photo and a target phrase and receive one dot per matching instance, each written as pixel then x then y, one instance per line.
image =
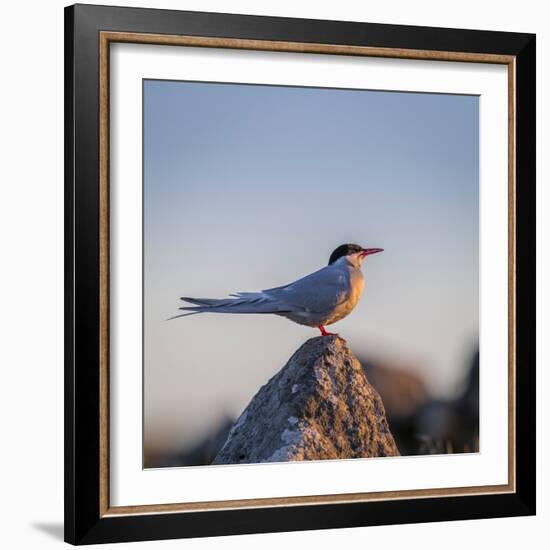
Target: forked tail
pixel 242 302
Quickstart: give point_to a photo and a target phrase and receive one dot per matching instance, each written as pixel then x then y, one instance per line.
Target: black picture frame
pixel 84 524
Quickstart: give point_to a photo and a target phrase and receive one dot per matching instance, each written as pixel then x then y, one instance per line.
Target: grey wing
pixel 318 292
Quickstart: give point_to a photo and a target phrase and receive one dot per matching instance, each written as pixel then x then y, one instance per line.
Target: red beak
pixel 368 251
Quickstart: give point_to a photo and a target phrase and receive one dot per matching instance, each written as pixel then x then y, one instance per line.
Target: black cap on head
pixel 344 250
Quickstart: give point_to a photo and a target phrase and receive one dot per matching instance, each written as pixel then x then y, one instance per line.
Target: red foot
pixel 325 333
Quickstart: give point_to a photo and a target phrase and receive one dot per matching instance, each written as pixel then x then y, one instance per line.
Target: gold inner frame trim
pixel 105 39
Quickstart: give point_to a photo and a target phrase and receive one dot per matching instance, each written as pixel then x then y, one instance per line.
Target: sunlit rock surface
pixel 319 406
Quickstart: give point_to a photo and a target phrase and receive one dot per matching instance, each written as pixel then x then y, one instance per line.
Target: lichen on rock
pixel 320 405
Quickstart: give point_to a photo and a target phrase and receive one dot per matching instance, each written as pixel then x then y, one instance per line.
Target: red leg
pixel 325 333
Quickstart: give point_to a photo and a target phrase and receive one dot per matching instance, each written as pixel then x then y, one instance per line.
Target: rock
pixel 319 406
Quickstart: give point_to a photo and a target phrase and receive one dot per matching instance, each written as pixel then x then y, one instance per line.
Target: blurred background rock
pixel 422 424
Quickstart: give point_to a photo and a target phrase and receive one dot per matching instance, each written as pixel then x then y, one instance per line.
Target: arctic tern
pixel 316 300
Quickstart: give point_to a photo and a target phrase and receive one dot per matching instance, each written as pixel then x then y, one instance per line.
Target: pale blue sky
pixel 248 187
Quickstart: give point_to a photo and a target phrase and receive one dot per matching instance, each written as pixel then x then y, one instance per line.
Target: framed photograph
pixel 300 274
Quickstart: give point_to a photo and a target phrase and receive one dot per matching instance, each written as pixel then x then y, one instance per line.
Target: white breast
pixel 356 285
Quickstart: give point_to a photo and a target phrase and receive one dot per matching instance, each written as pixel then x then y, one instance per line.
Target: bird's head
pixel 354 253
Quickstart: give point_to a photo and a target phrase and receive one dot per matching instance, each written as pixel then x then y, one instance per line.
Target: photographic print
pixel 299 274
pixel 310 273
